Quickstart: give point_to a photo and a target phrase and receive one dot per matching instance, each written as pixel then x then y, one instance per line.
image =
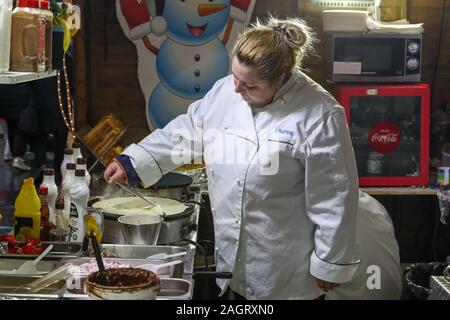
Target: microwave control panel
pixel 413 51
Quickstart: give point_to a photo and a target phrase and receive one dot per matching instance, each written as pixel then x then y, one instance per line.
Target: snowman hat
pixel 158 23
pixel 239 9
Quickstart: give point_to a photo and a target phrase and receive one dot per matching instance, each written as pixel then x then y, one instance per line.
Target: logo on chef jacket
pixel 384 137
pixel 285 131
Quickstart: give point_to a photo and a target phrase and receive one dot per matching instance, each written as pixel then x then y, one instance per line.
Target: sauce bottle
pixel 45 223
pixel 65 189
pixel 49 182
pixel 27 214
pixel 68 158
pixel 79 196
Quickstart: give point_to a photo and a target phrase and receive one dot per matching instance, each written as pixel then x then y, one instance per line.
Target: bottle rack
pixel 99 158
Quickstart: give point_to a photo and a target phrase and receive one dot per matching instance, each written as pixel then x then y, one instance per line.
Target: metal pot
pixel 174 227
pixel 172 185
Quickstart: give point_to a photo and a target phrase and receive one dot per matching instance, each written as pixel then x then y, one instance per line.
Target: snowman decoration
pixel 183 48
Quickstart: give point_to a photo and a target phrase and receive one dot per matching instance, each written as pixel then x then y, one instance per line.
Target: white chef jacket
pixel 379 275
pixel 289 224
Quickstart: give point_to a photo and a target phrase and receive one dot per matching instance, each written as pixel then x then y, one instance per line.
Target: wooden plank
pixel 117 55
pixel 411 191
pixel 80 68
pixel 117 76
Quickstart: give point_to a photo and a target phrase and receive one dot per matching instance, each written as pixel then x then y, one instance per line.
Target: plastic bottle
pixel 68 180
pixel 68 158
pixel 59 233
pixel 79 196
pixel 76 147
pixel 5 34
pixel 48 16
pixel 49 182
pixel 27 214
pixel 45 226
pixel 27 37
pixel 81 164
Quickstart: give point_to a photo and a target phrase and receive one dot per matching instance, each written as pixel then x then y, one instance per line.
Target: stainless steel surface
pixel 173 229
pixel 175 289
pixel 440 288
pixel 8 265
pixel 141 229
pixel 137 251
pixel 175 271
pixel 60 250
pixel 13 286
pixel 137 195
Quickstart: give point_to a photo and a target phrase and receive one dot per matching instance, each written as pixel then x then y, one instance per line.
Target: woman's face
pixel 257 92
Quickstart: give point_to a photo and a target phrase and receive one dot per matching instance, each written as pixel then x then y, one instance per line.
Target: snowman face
pixel 257 92
pixel 193 22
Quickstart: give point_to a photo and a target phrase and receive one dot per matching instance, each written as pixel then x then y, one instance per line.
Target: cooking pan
pixel 175 227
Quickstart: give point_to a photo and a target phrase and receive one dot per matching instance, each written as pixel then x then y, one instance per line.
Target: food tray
pixel 8 265
pixel 169 272
pixel 60 250
pixel 137 251
pixel 11 283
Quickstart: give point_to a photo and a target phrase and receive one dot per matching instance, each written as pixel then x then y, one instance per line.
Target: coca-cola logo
pixel 384 137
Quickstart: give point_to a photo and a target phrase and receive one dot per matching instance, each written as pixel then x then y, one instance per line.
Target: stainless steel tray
pixel 175 289
pixel 60 250
pixel 175 271
pixel 137 251
pixel 10 288
pixel 8 265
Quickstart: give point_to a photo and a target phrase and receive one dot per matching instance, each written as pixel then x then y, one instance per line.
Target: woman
pixel 281 170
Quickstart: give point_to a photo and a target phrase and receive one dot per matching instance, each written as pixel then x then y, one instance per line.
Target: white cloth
pixel 379 275
pixel 286 178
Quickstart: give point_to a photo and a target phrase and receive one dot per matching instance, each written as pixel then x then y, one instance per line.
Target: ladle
pixel 102 276
pixel 29 267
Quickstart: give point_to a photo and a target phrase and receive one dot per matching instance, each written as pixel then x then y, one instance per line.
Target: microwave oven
pixel 390 129
pixel 374 57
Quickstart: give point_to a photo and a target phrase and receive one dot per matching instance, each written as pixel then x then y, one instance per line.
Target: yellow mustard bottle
pixel 27 214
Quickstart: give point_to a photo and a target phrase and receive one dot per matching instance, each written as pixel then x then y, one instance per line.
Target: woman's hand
pixel 115 173
pixel 325 285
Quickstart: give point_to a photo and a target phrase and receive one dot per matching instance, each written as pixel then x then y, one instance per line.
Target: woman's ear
pixel 280 80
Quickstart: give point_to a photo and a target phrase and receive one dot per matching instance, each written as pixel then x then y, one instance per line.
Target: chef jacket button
pixel 238 181
pixel 197 88
pixel 197 73
pixel 237 221
pixel 197 57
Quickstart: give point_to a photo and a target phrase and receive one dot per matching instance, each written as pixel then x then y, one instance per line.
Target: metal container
pixel 125 251
pixel 141 229
pixel 7 266
pixel 174 228
pixel 14 286
pixel 60 250
pixel 171 185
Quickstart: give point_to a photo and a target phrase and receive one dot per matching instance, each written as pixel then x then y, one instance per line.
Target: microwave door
pixel 368 59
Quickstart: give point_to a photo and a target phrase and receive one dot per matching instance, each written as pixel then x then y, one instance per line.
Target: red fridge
pixel 389 127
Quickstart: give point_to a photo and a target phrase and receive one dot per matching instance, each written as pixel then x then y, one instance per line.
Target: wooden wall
pixel 106 61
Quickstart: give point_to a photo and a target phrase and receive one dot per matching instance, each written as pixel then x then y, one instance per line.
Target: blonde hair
pixel 275 46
